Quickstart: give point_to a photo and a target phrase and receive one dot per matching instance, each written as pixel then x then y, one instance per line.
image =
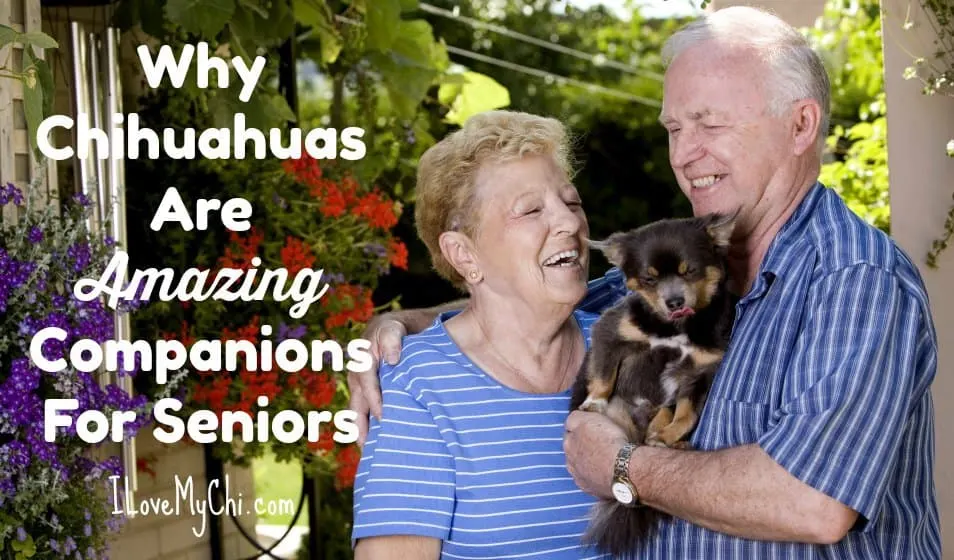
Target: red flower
pixel 356 305
pixel 333 204
pixel 241 250
pixel 379 212
pixel 348 459
pixel 296 255
pixel 397 253
pixel 325 441
pixel 305 169
pixel 318 388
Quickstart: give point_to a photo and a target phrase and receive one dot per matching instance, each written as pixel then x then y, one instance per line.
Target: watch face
pixel 622 493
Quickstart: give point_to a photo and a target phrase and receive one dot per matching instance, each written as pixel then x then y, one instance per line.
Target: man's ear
pixel 720 227
pixel 806 120
pixel 613 248
pixel 458 249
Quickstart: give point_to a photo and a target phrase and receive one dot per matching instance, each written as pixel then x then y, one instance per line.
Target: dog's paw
pixel 653 440
pixel 681 445
pixel 594 405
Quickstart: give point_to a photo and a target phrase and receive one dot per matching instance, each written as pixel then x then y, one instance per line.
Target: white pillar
pixel 922 183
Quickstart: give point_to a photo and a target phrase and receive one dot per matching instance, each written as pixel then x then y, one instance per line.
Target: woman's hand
pixel 591 443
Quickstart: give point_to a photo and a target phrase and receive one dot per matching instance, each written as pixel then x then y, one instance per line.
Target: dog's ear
pixel 720 227
pixel 613 247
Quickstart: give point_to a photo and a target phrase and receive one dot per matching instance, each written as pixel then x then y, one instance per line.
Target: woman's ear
pixel 806 116
pixel 458 250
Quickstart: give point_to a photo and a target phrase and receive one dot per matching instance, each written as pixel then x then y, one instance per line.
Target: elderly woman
pixel 467 461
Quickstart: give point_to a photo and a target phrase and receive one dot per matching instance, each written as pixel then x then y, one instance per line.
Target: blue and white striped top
pixel 829 367
pixel 464 459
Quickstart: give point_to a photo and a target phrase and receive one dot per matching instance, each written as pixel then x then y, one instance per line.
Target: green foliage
pixel 245 28
pixel 849 37
pixel 624 175
pixel 200 17
pixel 35 75
pixel 860 174
pixel 474 94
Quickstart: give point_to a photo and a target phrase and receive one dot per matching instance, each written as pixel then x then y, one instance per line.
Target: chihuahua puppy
pixel 653 355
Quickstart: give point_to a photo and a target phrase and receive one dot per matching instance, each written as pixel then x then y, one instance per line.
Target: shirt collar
pixel 778 256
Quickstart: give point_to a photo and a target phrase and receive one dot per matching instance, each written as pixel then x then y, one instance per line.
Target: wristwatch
pixel 623 488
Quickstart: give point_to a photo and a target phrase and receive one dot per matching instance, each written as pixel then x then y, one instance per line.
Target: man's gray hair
pixel 796 71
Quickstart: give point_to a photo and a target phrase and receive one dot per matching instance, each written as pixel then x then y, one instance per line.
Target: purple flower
pixel 10 192
pixel 375 249
pixel 13 274
pixel 82 200
pixel 286 332
pixel 21 534
pixel 335 278
pixel 35 235
pixel 80 255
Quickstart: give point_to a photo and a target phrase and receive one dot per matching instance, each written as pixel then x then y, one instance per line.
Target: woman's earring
pixel 474 275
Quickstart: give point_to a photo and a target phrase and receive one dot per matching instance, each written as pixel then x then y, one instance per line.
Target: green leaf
pixel 38 39
pixel 255 6
pixel 254 29
pixel 409 5
pixel 319 18
pixel 24 549
pixel 480 93
pixel 32 97
pixel 202 17
pixel 45 76
pixel 7 35
pixel 950 148
pixel 278 110
pixel 410 66
pixel 383 23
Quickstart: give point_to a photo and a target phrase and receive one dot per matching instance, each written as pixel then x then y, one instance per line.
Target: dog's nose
pixel 675 303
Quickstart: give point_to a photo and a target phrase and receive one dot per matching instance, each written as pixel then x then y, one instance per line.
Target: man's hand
pixel 385 334
pixel 591 443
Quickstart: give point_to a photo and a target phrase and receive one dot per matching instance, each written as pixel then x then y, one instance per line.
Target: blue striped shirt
pixel 832 355
pixel 464 459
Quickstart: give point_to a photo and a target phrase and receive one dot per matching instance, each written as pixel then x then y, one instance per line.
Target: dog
pixel 653 355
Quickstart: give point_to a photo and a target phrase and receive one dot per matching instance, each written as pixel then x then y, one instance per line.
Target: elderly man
pixel 817 440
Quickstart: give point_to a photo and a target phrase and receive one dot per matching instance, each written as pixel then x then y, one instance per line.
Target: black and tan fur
pixel 654 354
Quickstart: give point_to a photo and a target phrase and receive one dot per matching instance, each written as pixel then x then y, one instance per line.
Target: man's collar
pixel 777 259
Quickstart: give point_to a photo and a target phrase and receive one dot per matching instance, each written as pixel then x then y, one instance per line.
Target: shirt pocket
pixel 728 423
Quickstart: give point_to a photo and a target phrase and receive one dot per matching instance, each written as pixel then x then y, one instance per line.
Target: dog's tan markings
pixel 653 272
pixel 662 419
pixel 703 357
pixel 619 412
pixel 632 284
pixel 683 421
pixel 683 267
pixel 599 387
pixel 706 287
pixel 629 331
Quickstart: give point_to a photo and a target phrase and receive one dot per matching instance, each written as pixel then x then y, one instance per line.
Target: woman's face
pixel 531 237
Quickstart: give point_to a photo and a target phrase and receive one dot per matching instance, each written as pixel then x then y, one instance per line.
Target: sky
pixel 649 8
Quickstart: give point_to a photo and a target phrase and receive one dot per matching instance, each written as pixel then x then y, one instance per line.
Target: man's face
pixel 725 147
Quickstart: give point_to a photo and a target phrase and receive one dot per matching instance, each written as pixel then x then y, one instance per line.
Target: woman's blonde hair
pixel 447 172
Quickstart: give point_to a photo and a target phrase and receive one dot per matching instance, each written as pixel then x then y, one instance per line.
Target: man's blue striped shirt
pixel 829 368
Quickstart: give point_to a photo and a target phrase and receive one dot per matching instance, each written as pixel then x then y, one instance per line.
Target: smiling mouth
pixel 563 259
pixel 706 182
